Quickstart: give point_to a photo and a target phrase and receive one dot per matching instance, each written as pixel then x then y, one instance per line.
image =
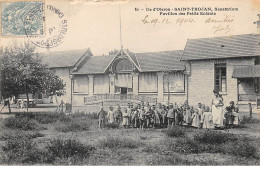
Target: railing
pixel 119 97
pixel 247 97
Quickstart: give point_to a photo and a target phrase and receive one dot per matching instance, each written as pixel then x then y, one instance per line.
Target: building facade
pixel 228 64
pixel 126 76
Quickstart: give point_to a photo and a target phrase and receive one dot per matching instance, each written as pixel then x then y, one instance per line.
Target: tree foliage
pixel 23 72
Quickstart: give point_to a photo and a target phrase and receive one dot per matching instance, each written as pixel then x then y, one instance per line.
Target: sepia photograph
pixel 129 83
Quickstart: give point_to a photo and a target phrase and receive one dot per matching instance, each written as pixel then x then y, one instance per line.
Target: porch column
pixel 111 83
pixel 91 84
pixel 135 83
pixel 160 86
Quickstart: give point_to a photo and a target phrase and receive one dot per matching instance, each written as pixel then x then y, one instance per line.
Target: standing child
pixel 118 115
pixel 156 117
pixel 164 116
pixel 135 115
pixel 141 118
pixel 236 121
pixel 196 119
pixel 206 119
pixel 170 115
pixel 101 118
pixel 110 115
pixel 125 122
pixel 187 116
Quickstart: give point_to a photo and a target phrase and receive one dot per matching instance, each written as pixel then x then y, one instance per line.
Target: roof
pixel 62 58
pixel 95 65
pixel 160 61
pixel 246 45
pixel 147 62
pixel 246 71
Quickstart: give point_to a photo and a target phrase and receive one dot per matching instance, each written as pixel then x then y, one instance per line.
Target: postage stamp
pixel 22 18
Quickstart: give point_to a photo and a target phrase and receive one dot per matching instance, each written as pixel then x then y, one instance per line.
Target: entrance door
pixel 123 92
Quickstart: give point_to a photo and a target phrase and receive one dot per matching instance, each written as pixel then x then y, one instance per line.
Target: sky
pixel 97 24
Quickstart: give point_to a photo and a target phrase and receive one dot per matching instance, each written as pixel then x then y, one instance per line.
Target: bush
pixel 114 142
pixel 241 148
pixel 248 120
pixel 21 150
pixel 21 135
pixel 112 125
pixel 23 123
pixel 42 117
pixel 73 126
pixel 175 131
pixel 214 137
pixel 71 148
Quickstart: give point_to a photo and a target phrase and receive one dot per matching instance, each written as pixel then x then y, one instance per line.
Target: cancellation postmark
pixel 22 18
pixel 56 28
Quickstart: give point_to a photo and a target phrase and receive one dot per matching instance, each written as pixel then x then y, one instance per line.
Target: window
pixel 80 84
pixel 221 77
pixel 174 82
pixel 101 84
pixel 147 82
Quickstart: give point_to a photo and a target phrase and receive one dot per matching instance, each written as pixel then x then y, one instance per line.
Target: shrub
pixel 23 123
pixel 21 135
pixel 21 150
pixel 42 117
pixel 241 148
pixel 112 125
pixel 214 137
pixel 114 142
pixel 175 131
pixel 73 126
pixel 59 148
pixel 248 120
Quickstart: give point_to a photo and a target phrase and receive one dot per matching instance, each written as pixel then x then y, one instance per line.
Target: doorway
pixel 123 92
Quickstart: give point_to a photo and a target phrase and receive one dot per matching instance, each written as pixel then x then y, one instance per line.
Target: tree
pixel 23 73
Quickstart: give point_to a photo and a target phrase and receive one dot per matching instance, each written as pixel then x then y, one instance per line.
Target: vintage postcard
pixel 130 83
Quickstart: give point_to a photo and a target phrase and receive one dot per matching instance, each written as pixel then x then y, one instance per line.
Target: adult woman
pixel 217 109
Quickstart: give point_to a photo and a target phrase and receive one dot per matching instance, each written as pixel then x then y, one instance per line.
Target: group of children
pixel 160 116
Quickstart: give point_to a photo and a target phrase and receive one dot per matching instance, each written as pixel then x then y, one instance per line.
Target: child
pixel 156 117
pixel 228 115
pixel 206 119
pixel 179 113
pixel 101 118
pixel 196 119
pixel 141 118
pixel 236 121
pixel 135 119
pixel 110 115
pixel 125 122
pixel 187 116
pixel 164 116
pixel 170 115
pixel 118 115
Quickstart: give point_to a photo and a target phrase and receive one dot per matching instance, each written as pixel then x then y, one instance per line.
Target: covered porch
pixel 248 77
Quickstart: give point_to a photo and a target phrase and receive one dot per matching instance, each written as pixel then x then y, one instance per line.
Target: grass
pixel 115 142
pixel 176 131
pixel 65 142
pixel 20 134
pixel 21 151
pixel 69 149
pixel 215 142
pixel 22 123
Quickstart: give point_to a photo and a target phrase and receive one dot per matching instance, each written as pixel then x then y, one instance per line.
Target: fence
pixel 119 97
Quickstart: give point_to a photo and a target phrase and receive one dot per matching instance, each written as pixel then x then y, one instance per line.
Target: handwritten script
pixel 221 25
pixel 154 21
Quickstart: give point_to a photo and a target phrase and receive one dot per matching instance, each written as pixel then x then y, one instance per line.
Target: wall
pixel 63 73
pixel 201 81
